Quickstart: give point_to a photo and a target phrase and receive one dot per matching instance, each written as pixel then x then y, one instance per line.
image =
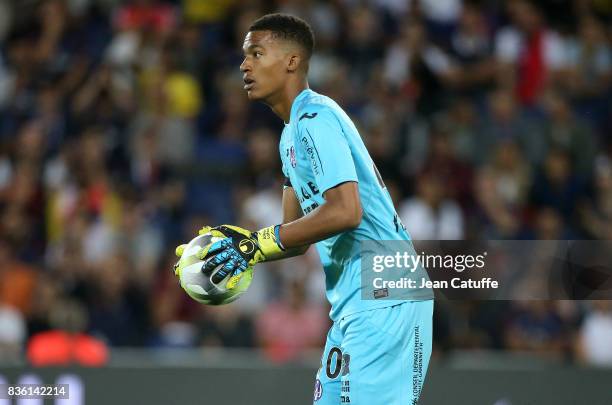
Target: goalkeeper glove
pixel 238 250
pixel 181 249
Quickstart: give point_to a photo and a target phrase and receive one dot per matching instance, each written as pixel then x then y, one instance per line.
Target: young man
pixel 377 351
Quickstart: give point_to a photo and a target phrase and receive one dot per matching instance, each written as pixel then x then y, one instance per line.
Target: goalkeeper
pixel 377 351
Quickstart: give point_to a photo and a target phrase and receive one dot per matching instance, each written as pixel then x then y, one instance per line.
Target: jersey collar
pixel 296 102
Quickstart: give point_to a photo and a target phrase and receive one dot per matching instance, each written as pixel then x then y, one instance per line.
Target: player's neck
pixel 282 106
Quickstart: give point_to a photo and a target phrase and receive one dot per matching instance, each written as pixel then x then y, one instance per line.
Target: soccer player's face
pixel 264 65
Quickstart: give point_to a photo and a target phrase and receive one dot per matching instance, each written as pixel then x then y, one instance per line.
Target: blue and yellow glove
pixel 201 254
pixel 240 249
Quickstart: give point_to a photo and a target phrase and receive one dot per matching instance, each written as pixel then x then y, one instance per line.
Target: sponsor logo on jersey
pixel 313 154
pixel 318 390
pixel 308 116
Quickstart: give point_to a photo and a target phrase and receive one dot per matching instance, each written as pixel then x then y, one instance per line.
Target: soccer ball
pixel 199 285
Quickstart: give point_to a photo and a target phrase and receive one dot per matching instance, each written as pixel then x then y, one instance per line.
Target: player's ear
pixel 293 63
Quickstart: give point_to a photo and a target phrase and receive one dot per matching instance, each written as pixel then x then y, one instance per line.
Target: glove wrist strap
pixel 269 244
pixel 277 236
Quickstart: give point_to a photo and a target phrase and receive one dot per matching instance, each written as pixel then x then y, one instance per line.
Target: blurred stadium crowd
pixel 124 128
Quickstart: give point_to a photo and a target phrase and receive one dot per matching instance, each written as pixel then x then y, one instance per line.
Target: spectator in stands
pixel 535 326
pixel 362 36
pixel 12 334
pixel 530 54
pixel 597 214
pixel 472 49
pixel 66 343
pixel 419 68
pixel 430 213
pixel 118 306
pixel 564 132
pixel 556 185
pixel 496 219
pixel 593 344
pixel 589 71
pixel 17 280
pixel 287 328
pixel 468 141
pixel 441 161
pixel 226 326
pixel 511 174
pixel 505 120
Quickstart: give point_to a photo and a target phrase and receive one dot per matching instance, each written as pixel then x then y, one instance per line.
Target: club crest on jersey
pixel 292 158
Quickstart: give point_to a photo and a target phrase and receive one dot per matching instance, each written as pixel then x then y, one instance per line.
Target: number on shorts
pixel 338 365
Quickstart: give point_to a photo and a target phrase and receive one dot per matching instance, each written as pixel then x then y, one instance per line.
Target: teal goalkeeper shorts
pixel 376 357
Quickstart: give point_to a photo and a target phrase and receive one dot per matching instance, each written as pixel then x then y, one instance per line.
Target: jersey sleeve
pixel 325 145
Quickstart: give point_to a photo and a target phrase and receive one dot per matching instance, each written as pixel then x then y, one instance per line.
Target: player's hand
pixel 238 250
pixel 179 253
pixel 202 253
pixel 181 249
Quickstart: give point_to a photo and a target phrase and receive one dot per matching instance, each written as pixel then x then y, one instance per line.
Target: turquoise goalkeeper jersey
pixel 321 148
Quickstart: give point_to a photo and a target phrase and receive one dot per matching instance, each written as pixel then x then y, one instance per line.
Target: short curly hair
pixel 287 27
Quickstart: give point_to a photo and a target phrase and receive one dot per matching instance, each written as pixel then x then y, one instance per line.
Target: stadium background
pixel 124 128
